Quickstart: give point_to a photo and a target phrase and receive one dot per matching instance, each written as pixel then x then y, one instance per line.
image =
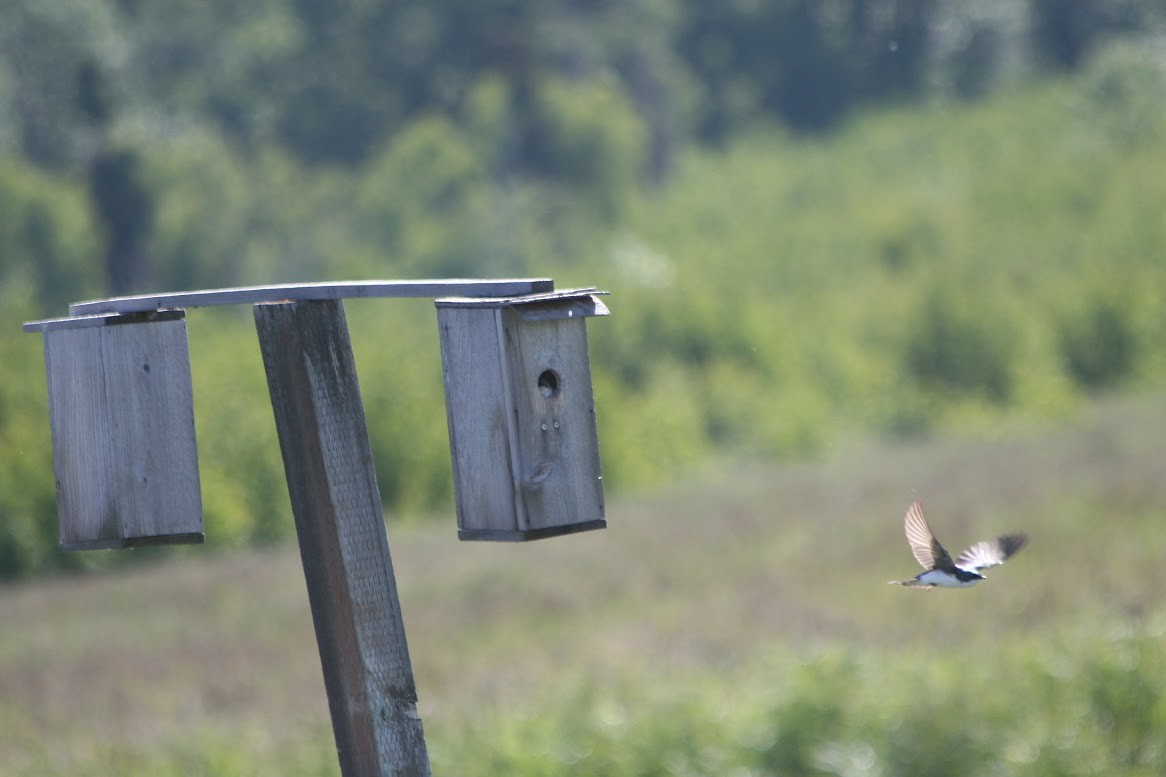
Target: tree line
pixel 87 83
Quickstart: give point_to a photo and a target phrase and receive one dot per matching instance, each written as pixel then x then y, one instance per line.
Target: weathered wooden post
pixel 343 545
pixel 522 435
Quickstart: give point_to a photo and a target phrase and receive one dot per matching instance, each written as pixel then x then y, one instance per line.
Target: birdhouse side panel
pixel 151 403
pixel 83 449
pixel 476 414
pixel 560 479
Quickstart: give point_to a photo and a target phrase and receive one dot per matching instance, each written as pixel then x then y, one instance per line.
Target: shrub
pixel 961 345
pixel 1098 344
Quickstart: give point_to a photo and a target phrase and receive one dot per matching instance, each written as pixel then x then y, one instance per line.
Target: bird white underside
pixel 941 580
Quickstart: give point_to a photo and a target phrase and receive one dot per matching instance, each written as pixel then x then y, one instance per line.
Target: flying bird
pixel 939 571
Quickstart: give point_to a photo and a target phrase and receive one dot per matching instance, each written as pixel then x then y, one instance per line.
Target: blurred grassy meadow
pixel 738 623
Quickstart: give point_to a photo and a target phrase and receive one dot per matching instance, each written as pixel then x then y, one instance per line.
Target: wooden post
pixel 372 697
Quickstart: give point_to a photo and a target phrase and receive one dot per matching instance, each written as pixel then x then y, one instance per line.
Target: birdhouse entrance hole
pixel 548 383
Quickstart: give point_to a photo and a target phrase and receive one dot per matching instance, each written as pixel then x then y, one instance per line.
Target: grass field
pixel 737 623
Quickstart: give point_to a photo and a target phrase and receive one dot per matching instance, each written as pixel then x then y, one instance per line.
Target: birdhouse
pixel 122 419
pixel 521 414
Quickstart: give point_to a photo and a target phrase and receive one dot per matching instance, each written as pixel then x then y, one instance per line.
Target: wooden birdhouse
pixel 122 419
pixel 521 414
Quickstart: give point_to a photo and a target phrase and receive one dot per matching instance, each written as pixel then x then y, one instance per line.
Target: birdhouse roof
pixel 567 303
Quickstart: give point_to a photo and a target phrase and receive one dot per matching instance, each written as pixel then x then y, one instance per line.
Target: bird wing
pixel 926 549
pixel 991 553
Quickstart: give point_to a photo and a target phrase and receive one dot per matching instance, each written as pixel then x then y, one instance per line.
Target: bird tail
pixel 912 583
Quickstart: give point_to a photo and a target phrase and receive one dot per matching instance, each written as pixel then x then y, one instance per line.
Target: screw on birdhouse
pixel 544 427
pixel 556 424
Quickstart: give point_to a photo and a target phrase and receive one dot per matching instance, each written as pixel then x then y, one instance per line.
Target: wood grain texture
pixel 343 544
pixel 554 410
pixel 124 448
pixel 83 437
pixel 476 416
pixel 314 291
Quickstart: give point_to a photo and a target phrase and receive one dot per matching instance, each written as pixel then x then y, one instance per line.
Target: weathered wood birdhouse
pixel 122 419
pixel 521 414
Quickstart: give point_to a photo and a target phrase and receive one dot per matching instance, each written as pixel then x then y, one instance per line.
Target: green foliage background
pixel 881 229
pixel 932 268
pixel 1089 703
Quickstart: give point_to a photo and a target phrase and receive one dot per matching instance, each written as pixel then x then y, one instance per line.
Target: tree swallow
pixel 939 571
